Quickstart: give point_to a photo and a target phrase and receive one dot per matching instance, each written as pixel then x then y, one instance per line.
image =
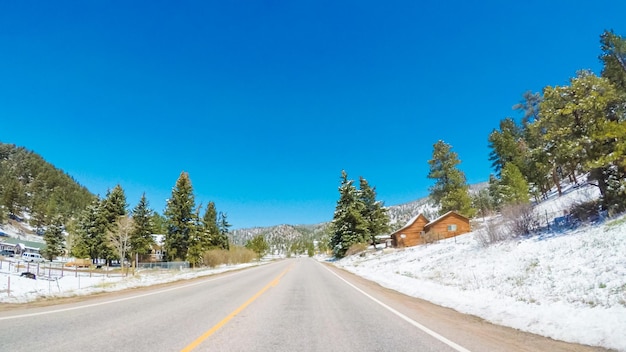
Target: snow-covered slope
pixel 568 285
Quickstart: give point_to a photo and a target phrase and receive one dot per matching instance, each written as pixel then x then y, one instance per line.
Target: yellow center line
pixel 217 326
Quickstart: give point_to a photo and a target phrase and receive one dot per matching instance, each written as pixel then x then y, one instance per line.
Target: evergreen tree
pixel 450 190
pixel 198 241
pixel 91 230
pixel 530 106
pixel 54 238
pixel 582 127
pixel 506 145
pixel 12 197
pixel 141 236
pixel 114 204
pixel 494 192
pixel 348 225
pixel 223 226
pixel 374 213
pixel 513 186
pixel 209 224
pixel 112 208
pixel 180 215
pixel 614 58
pixel 159 223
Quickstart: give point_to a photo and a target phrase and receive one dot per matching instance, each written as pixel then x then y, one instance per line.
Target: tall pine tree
pixel 450 190
pixel 91 231
pixel 54 238
pixel 614 58
pixel 513 186
pixel 348 225
pixel 113 206
pixel 374 213
pixel 224 229
pixel 180 214
pixel 141 236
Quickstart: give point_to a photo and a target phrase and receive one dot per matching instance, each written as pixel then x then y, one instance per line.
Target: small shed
pixel 419 228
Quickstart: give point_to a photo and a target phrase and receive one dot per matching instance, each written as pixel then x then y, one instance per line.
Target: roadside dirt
pixel 469 331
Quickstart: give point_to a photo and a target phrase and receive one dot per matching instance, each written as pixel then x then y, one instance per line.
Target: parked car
pixel 32 257
pixel 7 253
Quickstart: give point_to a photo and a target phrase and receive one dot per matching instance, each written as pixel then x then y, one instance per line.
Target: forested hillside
pixel 30 184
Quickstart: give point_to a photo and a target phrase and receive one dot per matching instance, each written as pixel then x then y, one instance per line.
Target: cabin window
pixel 452 227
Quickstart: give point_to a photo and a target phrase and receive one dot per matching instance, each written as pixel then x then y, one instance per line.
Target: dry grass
pixel 236 255
pixel 356 248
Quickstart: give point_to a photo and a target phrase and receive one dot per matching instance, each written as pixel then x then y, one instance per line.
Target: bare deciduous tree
pixel 120 236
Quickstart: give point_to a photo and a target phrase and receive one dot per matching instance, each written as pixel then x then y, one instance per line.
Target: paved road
pixel 291 305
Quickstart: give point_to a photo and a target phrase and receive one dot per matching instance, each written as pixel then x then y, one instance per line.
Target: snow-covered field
pixel 568 285
pixel 23 290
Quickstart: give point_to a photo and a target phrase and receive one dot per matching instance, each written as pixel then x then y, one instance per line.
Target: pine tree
pixel 614 58
pixel 374 212
pixel 209 224
pixel 582 127
pixel 112 208
pixel 513 186
pixel 506 145
pixel 198 240
pixel 114 204
pixel 450 190
pixel 54 238
pixel 348 225
pixel 530 106
pixel 91 233
pixel 180 215
pixel 159 223
pixel 141 236
pixel 223 226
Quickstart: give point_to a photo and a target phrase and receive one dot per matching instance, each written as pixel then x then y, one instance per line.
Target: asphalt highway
pixel 291 305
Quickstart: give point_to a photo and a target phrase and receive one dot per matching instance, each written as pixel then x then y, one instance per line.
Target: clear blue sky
pixel 265 102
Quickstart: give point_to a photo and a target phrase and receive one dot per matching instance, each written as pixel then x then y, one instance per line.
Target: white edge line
pixel 117 300
pixel 404 317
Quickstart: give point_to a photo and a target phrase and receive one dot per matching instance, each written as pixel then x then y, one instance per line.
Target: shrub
pixel 491 232
pixel 430 237
pixel 520 219
pixel 585 211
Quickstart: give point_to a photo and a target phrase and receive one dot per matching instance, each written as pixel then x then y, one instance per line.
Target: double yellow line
pixel 217 326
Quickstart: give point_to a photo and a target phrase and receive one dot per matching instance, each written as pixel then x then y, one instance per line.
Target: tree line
pixel 565 132
pixel 107 230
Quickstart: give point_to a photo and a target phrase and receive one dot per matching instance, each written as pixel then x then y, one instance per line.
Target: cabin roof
pixel 444 216
pixel 410 222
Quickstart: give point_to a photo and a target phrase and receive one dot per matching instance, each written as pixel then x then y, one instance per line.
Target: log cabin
pixel 419 230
